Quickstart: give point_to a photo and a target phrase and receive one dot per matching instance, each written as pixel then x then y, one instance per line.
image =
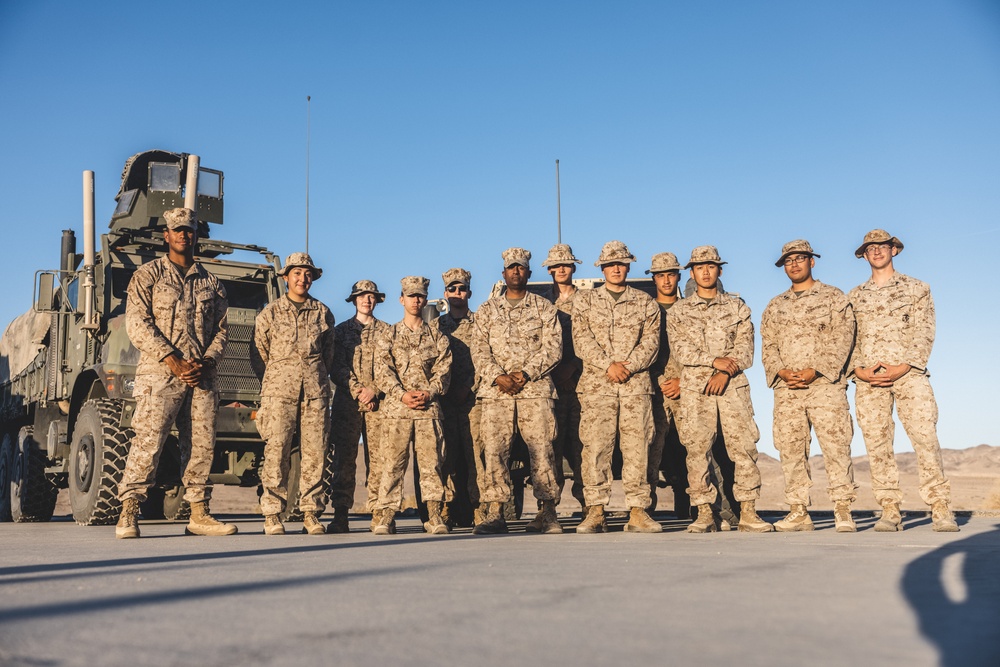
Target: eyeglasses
pixel 884 247
pixel 456 288
pixel 796 259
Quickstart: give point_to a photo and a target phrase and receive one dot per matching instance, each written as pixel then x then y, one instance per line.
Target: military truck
pixel 68 367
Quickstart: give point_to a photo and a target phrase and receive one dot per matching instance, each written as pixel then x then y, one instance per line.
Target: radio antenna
pixel 308 132
pixel 558 207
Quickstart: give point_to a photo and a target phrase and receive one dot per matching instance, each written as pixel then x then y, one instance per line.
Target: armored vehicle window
pixel 210 183
pixel 125 203
pixel 120 278
pixel 164 177
pixel 245 294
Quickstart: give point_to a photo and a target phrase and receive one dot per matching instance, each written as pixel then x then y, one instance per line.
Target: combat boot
pixel 479 514
pixel 128 520
pixel 750 522
pixel 435 524
pixel 340 523
pixel 705 522
pixel 202 523
pixel 842 518
pixel 546 521
pixel 942 518
pixel 594 522
pixel 311 524
pixel 639 521
pixel 891 519
pixel 386 522
pixel 797 519
pixel 494 524
pixel 273 525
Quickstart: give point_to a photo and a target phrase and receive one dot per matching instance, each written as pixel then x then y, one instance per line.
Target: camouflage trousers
pixel 665 417
pixel 567 444
pixel 277 421
pixel 349 427
pixel 194 411
pixel 463 444
pixel 427 439
pixel 535 420
pixel 602 420
pixel 823 407
pixel 701 418
pixel 918 412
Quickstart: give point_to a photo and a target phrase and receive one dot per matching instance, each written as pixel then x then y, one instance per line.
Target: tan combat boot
pixel 594 522
pixel 842 518
pixel 749 521
pixel 705 523
pixel 797 519
pixel 340 523
pixel 494 524
pixel 386 522
pixel 435 524
pixel 311 524
pixel 273 525
pixel 128 520
pixel 202 523
pixel 639 521
pixel 546 521
pixel 891 519
pixel 479 514
pixel 942 518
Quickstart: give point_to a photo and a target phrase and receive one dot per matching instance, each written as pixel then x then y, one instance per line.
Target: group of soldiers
pixel 571 374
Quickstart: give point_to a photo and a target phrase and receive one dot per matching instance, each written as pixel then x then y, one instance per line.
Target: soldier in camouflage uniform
pixel 616 332
pixel 464 465
pixel 516 344
pixel 807 334
pixel 413 369
pixel 293 353
pixel 712 336
pixel 895 316
pixel 561 266
pixel 356 413
pixel 175 315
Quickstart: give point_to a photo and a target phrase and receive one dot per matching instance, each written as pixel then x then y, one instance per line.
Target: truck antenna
pixel 558 207
pixel 308 129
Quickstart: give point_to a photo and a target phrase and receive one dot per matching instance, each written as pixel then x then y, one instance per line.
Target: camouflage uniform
pixel 666 414
pixel 896 325
pixel 411 361
pixel 567 444
pixel 511 337
pixel 354 365
pixel 293 351
pixel 701 331
pixel 606 331
pixel 812 329
pixel 168 312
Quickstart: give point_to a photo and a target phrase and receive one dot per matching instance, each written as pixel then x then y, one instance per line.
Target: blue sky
pixel 435 127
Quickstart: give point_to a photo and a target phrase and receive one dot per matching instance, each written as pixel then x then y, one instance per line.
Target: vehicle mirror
pixel 46 291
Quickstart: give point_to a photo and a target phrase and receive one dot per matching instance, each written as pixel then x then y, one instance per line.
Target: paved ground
pixel 75 596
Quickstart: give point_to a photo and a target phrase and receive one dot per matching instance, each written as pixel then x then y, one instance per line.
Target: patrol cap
pixel 704 254
pixel 297 259
pixel 519 256
pixel 412 285
pixel 181 218
pixel 662 262
pixel 878 236
pixel 614 252
pixel 797 247
pixel 365 287
pixel 456 275
pixel 561 254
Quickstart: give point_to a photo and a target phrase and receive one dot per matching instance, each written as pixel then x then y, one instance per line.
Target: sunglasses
pixel 456 288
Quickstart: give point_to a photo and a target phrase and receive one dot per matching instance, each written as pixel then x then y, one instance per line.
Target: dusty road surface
pixel 71 595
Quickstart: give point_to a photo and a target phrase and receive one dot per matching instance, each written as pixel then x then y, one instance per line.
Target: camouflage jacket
pixel 570 364
pixel 606 331
pixel 167 313
pixel 895 323
pixel 814 329
pixel 666 367
pixel 411 361
pixel 354 358
pixel 293 349
pixel 522 337
pixel 701 331
pixel 464 380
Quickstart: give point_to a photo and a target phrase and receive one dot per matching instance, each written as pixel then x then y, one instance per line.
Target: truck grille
pixel 236 377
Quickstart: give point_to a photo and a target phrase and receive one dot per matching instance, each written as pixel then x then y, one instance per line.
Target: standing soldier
pixel 807 334
pixel 414 368
pixel 176 316
pixel 516 344
pixel 293 351
pixel 463 451
pixel 616 332
pixel 895 315
pixel 356 413
pixel 712 336
pixel 561 265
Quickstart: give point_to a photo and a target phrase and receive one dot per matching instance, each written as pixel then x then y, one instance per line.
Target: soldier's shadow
pixel 955 592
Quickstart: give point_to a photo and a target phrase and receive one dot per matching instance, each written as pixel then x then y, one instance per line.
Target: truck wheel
pixel 7 446
pixel 32 492
pixel 97 457
pixel 166 504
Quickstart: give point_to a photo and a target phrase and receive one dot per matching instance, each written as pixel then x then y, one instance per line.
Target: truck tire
pixel 32 492
pixel 97 457
pixel 166 504
pixel 7 446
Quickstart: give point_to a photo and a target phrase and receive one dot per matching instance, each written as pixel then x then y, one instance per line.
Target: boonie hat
pixel 181 218
pixel 797 247
pixel 704 254
pixel 878 236
pixel 561 254
pixel 365 287
pixel 663 261
pixel 452 276
pixel 412 285
pixel 614 252
pixel 297 259
pixel 520 256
